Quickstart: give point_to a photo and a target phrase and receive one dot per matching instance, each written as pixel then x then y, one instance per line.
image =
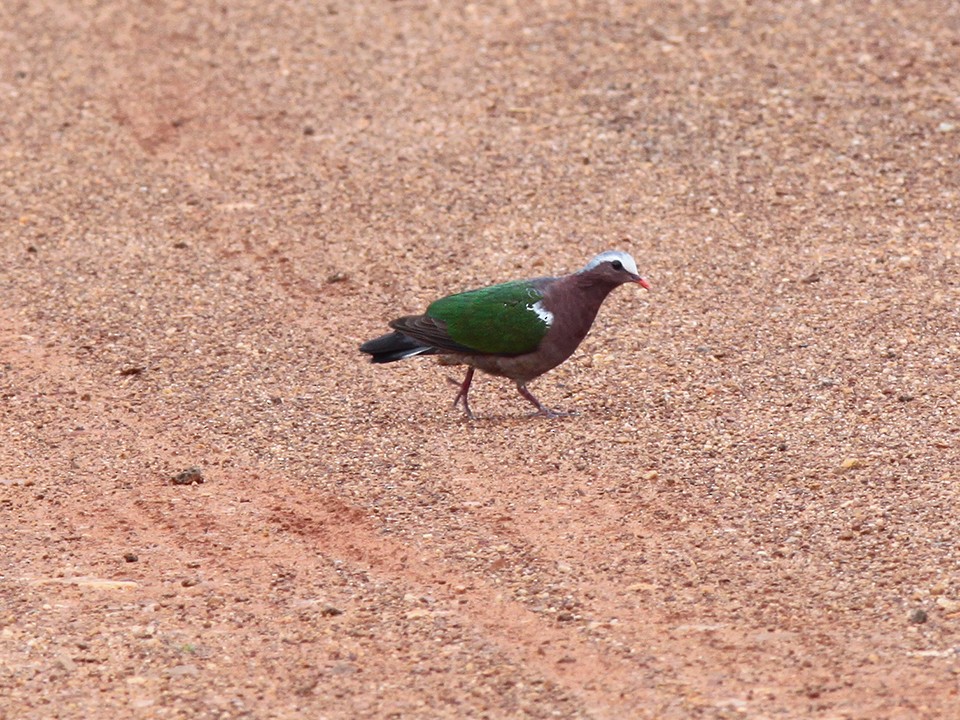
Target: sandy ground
pixel 207 206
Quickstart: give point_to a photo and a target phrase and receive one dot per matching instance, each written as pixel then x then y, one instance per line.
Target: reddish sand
pixel 209 206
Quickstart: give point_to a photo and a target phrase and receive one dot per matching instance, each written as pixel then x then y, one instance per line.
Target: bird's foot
pixel 464 389
pixel 541 408
pixel 466 409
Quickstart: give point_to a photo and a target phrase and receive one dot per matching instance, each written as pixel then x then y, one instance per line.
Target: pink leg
pixel 464 389
pixel 541 408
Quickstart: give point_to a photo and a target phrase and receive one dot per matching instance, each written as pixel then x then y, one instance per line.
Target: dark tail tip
pixel 394 346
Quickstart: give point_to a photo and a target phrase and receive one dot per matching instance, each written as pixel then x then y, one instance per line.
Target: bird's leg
pixel 464 389
pixel 541 408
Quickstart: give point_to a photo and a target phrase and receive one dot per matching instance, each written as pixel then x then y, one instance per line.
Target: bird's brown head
pixel 613 267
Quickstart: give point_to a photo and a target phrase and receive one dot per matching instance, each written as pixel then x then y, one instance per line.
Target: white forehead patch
pixel 609 256
pixel 545 315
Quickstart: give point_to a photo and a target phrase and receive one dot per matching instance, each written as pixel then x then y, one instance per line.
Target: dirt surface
pixel 213 507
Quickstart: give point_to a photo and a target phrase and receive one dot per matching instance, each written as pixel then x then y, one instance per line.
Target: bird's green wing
pixel 507 319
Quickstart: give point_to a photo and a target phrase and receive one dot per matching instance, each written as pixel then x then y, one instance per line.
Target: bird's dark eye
pixel 617 265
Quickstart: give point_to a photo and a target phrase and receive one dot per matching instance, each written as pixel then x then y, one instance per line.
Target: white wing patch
pixel 545 315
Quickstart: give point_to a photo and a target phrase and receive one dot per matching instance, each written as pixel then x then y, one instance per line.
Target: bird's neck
pixel 579 299
pixel 592 290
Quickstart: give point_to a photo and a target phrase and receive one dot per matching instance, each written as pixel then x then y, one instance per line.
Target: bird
pixel 518 330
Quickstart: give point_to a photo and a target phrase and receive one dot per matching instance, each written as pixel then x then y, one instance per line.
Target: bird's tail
pixel 394 346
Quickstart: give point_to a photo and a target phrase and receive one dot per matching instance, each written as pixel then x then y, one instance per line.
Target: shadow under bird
pixel 517 330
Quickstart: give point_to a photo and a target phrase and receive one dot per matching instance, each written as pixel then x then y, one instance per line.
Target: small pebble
pixel 918 616
pixel 182 670
pixel 948 605
pixel 190 476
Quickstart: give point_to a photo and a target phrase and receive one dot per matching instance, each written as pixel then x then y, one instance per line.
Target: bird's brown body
pixel 576 299
pixel 564 309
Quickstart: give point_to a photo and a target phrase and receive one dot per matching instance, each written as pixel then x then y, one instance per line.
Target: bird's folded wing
pixel 506 319
pixel 429 331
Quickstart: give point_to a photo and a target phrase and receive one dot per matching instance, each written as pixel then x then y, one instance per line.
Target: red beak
pixel 642 282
